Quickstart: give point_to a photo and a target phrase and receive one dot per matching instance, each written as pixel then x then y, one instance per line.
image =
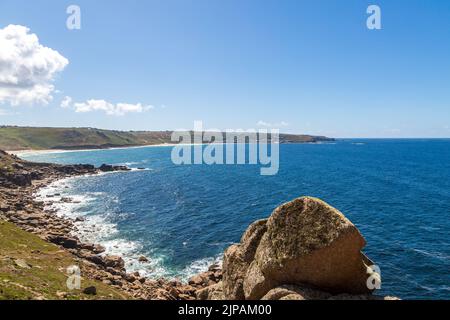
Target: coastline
pixel 20 180
pixel 19 205
pixel 58 197
pixel 25 152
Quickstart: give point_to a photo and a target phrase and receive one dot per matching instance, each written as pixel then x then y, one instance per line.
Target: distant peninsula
pixel 16 138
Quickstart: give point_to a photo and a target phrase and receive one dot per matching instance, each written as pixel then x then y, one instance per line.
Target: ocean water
pixel 397 192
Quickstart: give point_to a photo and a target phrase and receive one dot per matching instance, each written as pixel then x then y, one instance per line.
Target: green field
pixel 36 138
pixel 31 268
pixel 21 138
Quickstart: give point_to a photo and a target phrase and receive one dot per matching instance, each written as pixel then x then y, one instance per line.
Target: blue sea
pixel 397 192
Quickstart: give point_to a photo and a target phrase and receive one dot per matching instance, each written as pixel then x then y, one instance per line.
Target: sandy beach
pixel 46 151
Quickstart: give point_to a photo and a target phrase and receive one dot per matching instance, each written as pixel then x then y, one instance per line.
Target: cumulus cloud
pixel 66 102
pixel 117 109
pixel 272 125
pixel 27 68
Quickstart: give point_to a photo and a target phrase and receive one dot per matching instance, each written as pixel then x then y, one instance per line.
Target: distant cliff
pixel 23 138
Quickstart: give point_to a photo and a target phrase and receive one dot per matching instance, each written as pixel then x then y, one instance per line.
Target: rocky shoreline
pixel 305 250
pixel 19 182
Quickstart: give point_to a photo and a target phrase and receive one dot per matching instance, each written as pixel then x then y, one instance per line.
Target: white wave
pixel 435 255
pixel 127 163
pixel 429 228
pixel 97 228
pixel 199 266
pixel 144 169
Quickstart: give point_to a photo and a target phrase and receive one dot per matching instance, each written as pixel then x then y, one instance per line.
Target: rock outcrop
pixel 305 250
pixel 238 258
pixel 110 168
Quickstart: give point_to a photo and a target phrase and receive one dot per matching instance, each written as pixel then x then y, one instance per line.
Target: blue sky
pixel 304 66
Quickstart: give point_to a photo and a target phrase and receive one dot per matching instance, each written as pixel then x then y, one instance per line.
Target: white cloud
pixel 272 125
pixel 27 68
pixel 118 109
pixel 66 102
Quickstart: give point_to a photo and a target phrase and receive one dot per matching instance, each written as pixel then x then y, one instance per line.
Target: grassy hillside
pixel 22 138
pixel 31 268
pixel 17 138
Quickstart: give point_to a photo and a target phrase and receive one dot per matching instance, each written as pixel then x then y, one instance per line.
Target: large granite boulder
pixel 237 259
pixel 305 250
pixel 308 241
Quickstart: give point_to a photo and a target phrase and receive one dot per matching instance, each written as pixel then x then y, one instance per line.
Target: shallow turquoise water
pixel 397 192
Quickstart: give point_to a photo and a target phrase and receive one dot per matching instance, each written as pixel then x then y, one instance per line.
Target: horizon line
pixel 171 130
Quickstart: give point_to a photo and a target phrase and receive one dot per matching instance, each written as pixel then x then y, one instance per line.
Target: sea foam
pixel 91 227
